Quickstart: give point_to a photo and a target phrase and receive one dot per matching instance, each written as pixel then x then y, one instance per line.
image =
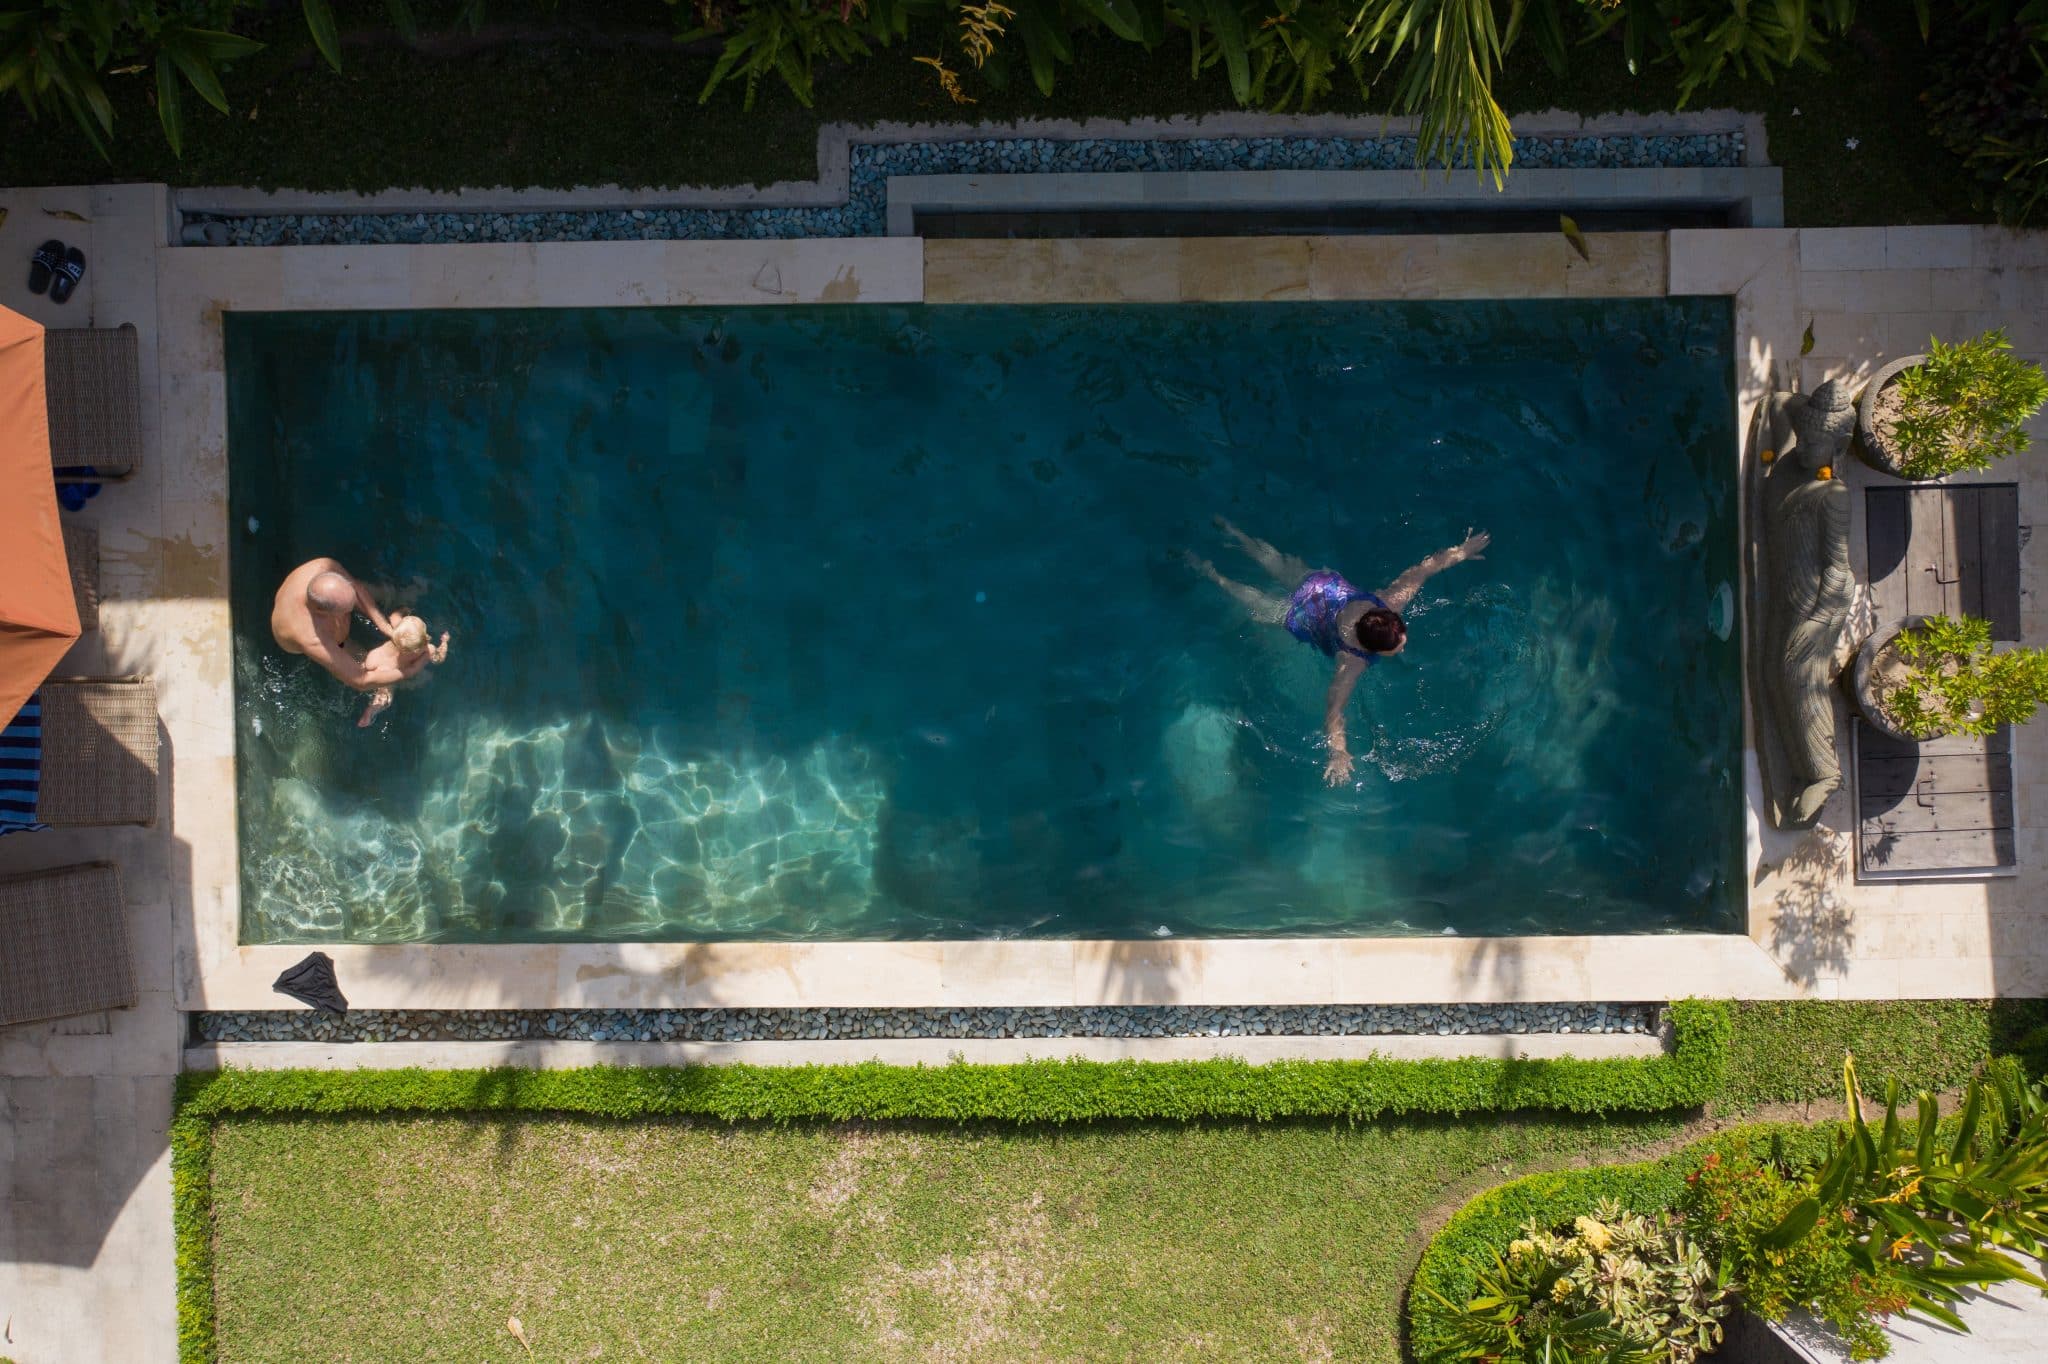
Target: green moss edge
pixel 1029 1092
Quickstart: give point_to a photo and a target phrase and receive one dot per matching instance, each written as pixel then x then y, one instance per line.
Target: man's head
pixel 1381 631
pixel 331 594
pixel 409 633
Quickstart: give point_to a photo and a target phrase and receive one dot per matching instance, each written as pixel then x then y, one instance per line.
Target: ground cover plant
pixel 572 93
pixel 1785 1052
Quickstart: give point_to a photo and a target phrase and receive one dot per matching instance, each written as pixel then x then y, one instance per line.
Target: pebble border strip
pixel 871 164
pixel 761 1025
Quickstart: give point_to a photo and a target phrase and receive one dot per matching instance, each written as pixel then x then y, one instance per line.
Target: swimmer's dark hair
pixel 1381 631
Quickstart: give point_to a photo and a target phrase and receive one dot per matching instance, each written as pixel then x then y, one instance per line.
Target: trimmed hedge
pixel 1483 1227
pixel 1032 1092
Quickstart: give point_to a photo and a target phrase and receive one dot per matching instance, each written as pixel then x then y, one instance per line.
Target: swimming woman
pixel 1355 628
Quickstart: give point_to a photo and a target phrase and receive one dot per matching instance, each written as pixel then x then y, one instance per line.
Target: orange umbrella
pixel 38 619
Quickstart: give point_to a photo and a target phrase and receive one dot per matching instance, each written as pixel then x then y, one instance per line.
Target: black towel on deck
pixel 312 982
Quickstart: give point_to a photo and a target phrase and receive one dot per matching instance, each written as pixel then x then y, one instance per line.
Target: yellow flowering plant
pixel 1617 1286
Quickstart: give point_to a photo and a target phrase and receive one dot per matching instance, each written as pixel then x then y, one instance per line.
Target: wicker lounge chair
pixel 82 548
pixel 95 395
pixel 63 944
pixel 99 751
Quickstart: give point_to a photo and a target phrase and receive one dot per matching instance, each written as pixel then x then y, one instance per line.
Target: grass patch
pixel 416 1238
pixel 601 95
pixel 1791 1051
pixel 1034 1096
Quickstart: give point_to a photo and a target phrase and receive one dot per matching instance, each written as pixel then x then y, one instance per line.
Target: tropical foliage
pixel 1964 406
pixel 1955 684
pixel 1618 1286
pixel 57 52
pixel 1436 59
pixel 1900 1218
pixel 1989 101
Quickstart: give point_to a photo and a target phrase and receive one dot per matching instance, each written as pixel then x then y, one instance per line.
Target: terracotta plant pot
pixel 1875 447
pixel 1865 681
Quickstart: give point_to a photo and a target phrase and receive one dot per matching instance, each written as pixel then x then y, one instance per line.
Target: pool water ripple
pixel 826 623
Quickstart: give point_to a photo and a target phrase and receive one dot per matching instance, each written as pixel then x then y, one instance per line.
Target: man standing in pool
pixel 1355 628
pixel 312 614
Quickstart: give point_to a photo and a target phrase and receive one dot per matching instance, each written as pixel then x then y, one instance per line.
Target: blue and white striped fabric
pixel 21 768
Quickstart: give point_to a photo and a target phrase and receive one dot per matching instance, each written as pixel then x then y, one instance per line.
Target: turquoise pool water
pixel 871 622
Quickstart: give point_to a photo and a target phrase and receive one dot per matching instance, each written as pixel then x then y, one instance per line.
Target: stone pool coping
pixel 165 545
pixel 197 286
pixel 560 1055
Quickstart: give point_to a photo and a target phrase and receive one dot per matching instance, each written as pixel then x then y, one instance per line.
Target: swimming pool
pixel 871 622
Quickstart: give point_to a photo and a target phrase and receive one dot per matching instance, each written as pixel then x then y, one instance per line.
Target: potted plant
pixel 1937 675
pixel 1956 408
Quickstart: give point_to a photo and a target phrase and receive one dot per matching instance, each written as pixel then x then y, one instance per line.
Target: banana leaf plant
pixel 1939 1207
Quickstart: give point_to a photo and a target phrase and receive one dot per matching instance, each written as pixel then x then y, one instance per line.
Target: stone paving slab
pixel 935 1051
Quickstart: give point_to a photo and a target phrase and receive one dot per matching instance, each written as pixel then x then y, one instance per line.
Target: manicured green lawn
pixel 374 1239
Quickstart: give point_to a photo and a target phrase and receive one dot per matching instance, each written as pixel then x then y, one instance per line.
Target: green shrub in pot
pixel 1962 408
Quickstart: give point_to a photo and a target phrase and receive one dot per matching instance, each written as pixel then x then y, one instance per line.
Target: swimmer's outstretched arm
pixel 1337 770
pixel 1408 584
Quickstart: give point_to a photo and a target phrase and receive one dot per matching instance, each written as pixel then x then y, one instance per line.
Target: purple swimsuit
pixel 1312 612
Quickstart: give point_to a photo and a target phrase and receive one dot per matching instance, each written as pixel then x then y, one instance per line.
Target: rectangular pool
pixel 872 622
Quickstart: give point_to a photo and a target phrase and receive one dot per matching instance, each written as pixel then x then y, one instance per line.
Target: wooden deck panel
pixel 1999 506
pixel 1945 805
pixel 1922 812
pixel 1933 551
pixel 1882 851
pixel 1887 777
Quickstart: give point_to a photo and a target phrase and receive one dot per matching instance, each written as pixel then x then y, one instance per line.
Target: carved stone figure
pixel 1805 592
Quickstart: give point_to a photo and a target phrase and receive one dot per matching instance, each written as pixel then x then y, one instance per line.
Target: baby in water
pixel 410 648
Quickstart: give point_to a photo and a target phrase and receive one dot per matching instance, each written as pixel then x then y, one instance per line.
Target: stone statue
pixel 1805 588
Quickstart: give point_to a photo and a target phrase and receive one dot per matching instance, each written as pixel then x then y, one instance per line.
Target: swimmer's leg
pixel 1283 568
pixel 380 700
pixel 1265 609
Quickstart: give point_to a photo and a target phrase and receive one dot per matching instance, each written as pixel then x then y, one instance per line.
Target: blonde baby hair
pixel 409 633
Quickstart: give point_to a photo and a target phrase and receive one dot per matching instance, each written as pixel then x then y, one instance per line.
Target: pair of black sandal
pixel 57 269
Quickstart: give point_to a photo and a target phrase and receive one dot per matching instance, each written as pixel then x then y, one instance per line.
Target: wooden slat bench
pixel 1945 552
pixel 1942 808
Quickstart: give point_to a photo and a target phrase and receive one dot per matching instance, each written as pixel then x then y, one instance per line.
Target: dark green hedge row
pixel 1032 1092
pixel 1484 1227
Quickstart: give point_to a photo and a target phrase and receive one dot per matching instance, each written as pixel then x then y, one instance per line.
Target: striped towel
pixel 21 768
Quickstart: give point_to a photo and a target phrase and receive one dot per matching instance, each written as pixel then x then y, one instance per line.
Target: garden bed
pixel 1055 1210
pixel 611 99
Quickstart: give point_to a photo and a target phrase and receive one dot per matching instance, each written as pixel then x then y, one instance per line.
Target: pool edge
pixel 1758 268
